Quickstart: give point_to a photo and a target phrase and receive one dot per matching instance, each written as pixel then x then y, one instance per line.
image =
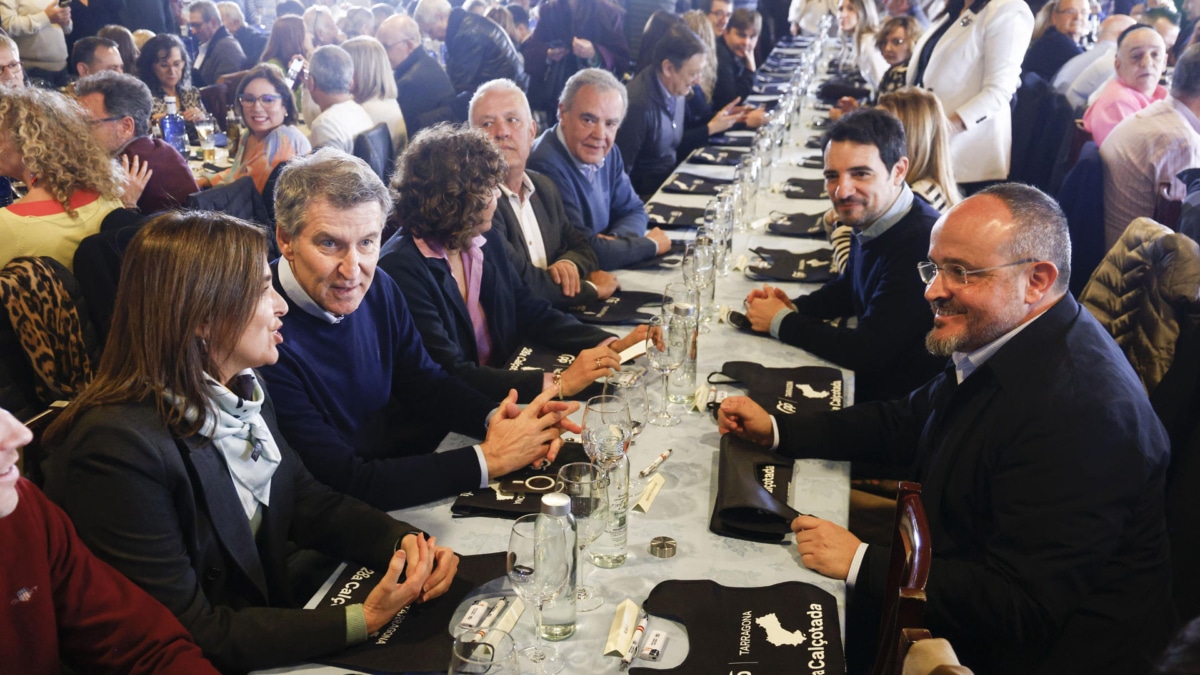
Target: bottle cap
pixel 556 504
pixel 662 547
pixel 684 309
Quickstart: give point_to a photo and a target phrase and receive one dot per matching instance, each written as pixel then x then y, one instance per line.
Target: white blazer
pixel 974 70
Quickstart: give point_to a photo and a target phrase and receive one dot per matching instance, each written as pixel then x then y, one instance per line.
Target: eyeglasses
pixel 169 65
pixel 721 13
pixel 267 100
pixel 10 68
pixel 195 25
pixel 957 274
pixel 102 120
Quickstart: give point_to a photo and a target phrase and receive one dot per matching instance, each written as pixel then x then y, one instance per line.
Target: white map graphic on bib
pixel 777 634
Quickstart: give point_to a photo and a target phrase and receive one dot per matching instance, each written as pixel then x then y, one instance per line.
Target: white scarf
pixel 236 426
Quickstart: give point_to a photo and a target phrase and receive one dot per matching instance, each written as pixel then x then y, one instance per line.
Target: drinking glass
pixel 585 484
pixel 605 418
pixel 634 393
pixel 665 344
pixel 677 292
pixel 208 145
pixel 487 650
pixel 537 568
pixel 699 273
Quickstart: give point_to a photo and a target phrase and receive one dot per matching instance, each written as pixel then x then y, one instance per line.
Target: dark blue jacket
pixel 513 314
pixel 1048 53
pixel 605 205
pixel 880 286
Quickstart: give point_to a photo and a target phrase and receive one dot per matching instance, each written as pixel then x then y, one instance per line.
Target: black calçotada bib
pixel 788 628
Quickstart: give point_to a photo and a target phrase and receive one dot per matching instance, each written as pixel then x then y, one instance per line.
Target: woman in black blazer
pixel 173 469
pixel 472 309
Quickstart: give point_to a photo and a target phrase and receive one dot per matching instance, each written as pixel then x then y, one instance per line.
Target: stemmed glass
pixel 586 486
pixel 605 418
pixel 665 349
pixel 699 273
pixel 537 568
pixel 487 650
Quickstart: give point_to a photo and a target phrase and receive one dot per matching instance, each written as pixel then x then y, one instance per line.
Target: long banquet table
pixel 683 507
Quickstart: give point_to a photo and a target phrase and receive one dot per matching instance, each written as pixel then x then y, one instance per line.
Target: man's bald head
pixel 400 36
pixel 1112 27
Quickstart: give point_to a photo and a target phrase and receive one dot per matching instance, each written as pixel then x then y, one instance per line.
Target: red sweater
pixel 55 596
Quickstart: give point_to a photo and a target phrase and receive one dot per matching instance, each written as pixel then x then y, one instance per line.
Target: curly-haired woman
pixel 472 309
pixel 72 183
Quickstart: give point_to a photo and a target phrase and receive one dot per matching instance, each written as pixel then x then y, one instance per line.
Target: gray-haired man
pixel 354 388
pixel 330 76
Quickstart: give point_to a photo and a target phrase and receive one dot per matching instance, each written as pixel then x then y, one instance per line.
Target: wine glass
pixel 605 418
pixel 665 349
pixel 585 484
pixel 699 273
pixel 537 568
pixel 634 393
pixel 487 650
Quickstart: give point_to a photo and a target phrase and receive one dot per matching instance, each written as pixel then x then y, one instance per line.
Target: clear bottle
pixel 233 132
pixel 609 549
pixel 683 379
pixel 558 613
pixel 174 129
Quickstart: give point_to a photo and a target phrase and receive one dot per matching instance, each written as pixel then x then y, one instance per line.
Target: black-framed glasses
pixel 11 68
pixel 267 100
pixel 959 275
pixel 721 13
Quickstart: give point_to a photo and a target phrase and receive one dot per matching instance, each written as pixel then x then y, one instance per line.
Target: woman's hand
pixel 589 365
pixel 137 175
pixel 193 115
pixel 390 596
pixel 632 338
pixel 726 117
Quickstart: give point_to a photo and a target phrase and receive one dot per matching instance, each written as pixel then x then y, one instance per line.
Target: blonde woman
pixel 72 182
pixel 374 87
pixel 930 173
pixel 698 21
pixel 861 19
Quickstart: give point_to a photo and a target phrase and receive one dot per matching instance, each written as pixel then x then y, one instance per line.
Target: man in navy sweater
pixel 354 387
pixel 578 155
pixel 865 166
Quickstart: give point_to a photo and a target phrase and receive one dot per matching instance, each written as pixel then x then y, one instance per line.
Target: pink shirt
pixel 1116 102
pixel 472 258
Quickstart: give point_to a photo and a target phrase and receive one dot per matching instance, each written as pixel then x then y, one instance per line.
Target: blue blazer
pixel 514 315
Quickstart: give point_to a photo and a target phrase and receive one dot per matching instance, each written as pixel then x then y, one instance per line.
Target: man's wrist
pixel 777 320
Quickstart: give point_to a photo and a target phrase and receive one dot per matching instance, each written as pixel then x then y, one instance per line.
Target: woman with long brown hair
pixel 174 471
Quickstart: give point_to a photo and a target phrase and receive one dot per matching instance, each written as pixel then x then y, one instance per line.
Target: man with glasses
pixel 219 52
pixel 1041 460
pixel 865 169
pixel 718 12
pixel 118 108
pixel 1060 42
pixel 423 88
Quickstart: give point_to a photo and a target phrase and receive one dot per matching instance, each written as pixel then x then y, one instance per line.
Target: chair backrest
pixel 98 268
pixel 374 147
pixel 908 572
pixel 216 99
pixel 1143 292
pixel 1043 122
pixel 1082 201
pixel 239 199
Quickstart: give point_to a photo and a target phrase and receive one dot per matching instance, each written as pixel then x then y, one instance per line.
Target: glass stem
pixel 580 567
pixel 537 656
pixel 666 392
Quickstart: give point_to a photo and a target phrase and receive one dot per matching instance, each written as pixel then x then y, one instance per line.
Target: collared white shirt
pixel 293 290
pixel 522 206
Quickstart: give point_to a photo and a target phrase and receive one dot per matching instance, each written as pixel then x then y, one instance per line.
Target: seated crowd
pixel 244 405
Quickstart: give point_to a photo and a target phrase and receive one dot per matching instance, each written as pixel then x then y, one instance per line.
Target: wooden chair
pixel 904 598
